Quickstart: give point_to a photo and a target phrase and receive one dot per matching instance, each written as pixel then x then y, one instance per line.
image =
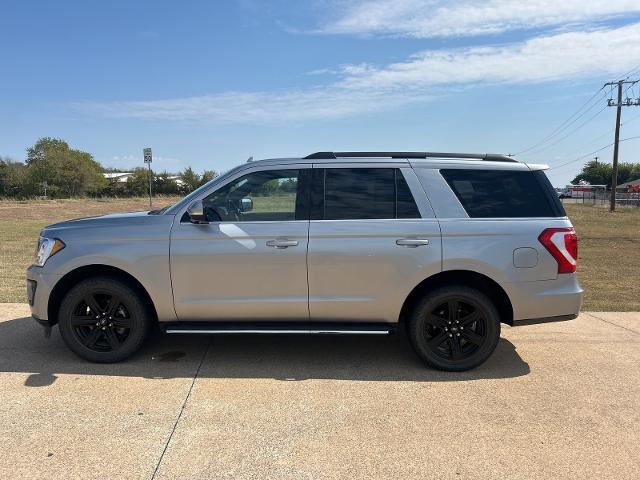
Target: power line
pixel 554 167
pixel 630 72
pixel 609 132
pixel 545 147
pixel 568 122
pixel 593 140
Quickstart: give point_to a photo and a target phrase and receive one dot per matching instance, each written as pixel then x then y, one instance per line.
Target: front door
pixel 249 261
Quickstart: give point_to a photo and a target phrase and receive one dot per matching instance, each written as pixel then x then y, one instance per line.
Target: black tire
pixel 454 328
pixel 104 320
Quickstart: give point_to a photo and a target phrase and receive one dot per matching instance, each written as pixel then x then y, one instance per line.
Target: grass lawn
pixel 609 250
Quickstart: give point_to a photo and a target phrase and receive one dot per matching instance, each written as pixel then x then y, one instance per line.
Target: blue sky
pixel 211 83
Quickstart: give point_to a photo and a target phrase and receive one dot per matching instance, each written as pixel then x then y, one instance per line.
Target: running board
pixel 280 328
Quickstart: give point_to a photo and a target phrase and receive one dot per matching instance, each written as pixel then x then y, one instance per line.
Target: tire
pixel 454 328
pixel 104 320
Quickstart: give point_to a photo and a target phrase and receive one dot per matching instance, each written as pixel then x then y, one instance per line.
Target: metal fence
pixel 602 197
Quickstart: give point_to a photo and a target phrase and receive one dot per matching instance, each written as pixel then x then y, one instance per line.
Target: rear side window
pixel 504 193
pixel 367 193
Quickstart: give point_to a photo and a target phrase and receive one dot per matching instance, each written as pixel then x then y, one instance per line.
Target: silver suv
pixel 444 246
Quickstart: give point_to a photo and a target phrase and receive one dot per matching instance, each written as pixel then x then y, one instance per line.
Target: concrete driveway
pixel 555 401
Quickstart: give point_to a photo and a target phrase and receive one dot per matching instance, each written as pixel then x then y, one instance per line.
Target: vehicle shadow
pixel 23 348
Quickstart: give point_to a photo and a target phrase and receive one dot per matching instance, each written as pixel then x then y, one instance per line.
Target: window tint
pixel 502 193
pixel 268 195
pixel 367 193
pixel 405 204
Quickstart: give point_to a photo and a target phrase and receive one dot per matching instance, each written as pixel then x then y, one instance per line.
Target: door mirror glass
pixel 196 212
pixel 246 204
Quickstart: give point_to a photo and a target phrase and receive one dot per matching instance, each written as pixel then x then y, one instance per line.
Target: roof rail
pixel 492 157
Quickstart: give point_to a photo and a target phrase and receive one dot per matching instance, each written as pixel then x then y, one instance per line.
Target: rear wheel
pixel 454 328
pixel 103 320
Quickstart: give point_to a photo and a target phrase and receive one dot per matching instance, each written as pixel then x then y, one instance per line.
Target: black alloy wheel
pixel 104 320
pixel 100 321
pixel 454 328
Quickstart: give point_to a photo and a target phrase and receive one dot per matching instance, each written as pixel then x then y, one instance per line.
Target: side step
pixel 279 328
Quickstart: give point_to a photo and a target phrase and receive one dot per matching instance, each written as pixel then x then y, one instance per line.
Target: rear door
pixel 372 239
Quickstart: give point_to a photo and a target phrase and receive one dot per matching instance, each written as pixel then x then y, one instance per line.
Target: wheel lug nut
pixel 458 334
pixel 450 335
pixel 461 328
pixel 111 324
pixel 104 328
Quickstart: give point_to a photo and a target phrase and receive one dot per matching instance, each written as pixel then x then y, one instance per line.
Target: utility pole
pixel 618 104
pixel 596 159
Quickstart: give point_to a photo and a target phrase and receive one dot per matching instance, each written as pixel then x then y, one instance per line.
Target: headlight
pixel 47 247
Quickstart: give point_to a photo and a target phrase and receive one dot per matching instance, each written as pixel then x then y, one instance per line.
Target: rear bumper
pixel 535 321
pixel 546 300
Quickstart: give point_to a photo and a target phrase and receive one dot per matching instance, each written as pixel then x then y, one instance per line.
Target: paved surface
pixel 555 401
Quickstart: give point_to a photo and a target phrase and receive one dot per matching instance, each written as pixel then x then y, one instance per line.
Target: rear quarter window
pixel 504 193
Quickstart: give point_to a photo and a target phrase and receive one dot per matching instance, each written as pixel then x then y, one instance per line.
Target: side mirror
pixel 246 204
pixel 196 212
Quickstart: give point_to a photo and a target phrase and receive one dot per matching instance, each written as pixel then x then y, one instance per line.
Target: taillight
pixel 562 244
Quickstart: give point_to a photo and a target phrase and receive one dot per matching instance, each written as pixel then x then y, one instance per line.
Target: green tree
pixel 207 176
pixel 163 185
pixel 67 171
pixel 12 177
pixel 190 180
pixel 598 173
pixel 138 183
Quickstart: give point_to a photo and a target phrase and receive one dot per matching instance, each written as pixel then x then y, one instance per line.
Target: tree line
pixel 598 173
pixel 53 167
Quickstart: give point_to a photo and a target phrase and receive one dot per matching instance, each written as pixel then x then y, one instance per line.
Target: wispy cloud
pixel 132 161
pixel 443 18
pixel 358 89
pixel 553 57
pixel 330 101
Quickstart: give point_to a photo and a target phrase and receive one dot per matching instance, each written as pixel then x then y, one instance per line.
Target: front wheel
pixel 454 328
pixel 103 320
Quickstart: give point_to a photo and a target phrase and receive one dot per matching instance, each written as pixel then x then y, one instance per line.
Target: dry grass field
pixel 609 264
pixel 608 256
pixel 21 222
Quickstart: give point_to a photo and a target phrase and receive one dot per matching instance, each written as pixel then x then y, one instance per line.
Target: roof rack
pixel 491 157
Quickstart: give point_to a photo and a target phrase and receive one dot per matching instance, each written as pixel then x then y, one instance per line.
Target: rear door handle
pixel 281 243
pixel 412 242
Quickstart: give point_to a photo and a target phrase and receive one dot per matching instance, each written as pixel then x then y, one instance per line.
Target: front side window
pixel 367 193
pixel 268 195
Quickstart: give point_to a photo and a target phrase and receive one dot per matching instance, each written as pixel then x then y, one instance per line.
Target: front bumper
pixel 39 287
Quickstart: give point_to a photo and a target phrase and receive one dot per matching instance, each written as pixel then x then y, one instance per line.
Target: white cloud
pixel 554 57
pixel 331 101
pixel 445 18
pixel 131 161
pixel 362 89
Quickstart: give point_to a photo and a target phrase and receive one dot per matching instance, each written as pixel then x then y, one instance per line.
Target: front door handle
pixel 412 242
pixel 281 243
